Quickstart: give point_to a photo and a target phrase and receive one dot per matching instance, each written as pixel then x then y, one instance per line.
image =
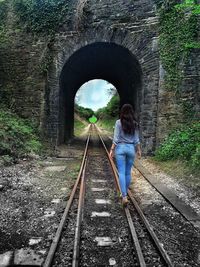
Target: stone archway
pixel 100 60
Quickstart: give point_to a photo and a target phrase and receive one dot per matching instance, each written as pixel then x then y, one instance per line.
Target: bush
pixel 17 136
pixel 84 112
pixel 6 160
pixel 183 143
pixel 41 16
pixel 111 110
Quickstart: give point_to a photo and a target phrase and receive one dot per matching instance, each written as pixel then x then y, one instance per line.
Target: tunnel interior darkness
pixel 101 60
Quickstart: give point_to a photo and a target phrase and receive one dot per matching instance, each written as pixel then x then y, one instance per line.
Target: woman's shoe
pixel 125 201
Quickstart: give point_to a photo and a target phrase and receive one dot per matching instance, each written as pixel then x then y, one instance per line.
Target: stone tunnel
pixel 100 60
pixel 112 40
pixel 124 53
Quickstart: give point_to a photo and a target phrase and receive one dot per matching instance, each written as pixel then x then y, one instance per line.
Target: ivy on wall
pixel 41 16
pixel 3 14
pixel 3 10
pixel 178 34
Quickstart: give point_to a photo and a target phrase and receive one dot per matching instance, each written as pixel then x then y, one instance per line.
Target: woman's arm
pixel 115 139
pixel 137 144
pixel 138 151
pixel 111 154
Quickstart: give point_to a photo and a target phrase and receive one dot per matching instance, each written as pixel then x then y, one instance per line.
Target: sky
pixel 94 94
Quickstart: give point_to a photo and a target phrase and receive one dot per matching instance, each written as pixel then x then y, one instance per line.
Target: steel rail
pixel 151 232
pixel 75 260
pixel 137 246
pixel 112 165
pixel 56 239
pixel 158 244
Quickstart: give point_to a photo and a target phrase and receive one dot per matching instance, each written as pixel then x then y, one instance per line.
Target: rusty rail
pixel 75 260
pixel 51 253
pixel 137 246
pixel 81 180
pixel 158 244
pixel 150 230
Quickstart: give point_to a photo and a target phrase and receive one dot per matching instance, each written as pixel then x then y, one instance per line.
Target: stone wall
pixel 21 78
pixel 176 107
pixel 132 25
pixel 30 68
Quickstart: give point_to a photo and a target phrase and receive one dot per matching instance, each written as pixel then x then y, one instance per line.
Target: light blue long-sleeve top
pixel 121 137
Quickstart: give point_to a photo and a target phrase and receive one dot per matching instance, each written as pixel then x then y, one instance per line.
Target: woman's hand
pixel 111 154
pixel 139 153
pixel 112 149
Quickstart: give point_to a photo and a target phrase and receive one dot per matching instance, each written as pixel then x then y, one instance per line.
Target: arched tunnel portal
pixel 101 60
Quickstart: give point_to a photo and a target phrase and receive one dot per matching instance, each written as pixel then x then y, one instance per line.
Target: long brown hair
pixel 128 119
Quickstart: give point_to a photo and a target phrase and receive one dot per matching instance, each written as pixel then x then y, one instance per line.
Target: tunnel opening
pixel 96 101
pixel 102 60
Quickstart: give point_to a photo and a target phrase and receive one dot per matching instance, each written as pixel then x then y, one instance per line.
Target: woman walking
pixel 125 144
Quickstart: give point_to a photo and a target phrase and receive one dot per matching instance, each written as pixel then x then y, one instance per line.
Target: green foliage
pixel 111 110
pixel 184 143
pixel 6 160
pixel 107 116
pixel 196 157
pixel 190 6
pixel 178 32
pixel 3 11
pixel 3 36
pixel 41 16
pixel 93 119
pixel 78 127
pixel 188 110
pixel 46 61
pixel 107 123
pixel 84 112
pixel 3 30
pixel 17 136
pixel 158 3
pixel 192 45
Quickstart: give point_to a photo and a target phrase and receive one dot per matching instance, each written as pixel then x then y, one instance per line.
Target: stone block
pixel 27 257
pixel 5 258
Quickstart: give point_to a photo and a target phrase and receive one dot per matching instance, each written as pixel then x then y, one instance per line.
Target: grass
pixel 183 144
pixel 18 137
pixel 107 124
pixel 78 127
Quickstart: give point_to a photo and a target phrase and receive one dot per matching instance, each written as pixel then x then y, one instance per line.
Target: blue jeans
pixel 124 154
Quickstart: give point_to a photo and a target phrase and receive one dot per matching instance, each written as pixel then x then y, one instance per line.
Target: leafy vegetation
pixel 107 123
pixel 18 137
pixel 78 127
pixel 41 16
pixel 178 34
pixel 189 5
pixel 84 112
pixel 3 14
pixel 184 144
pixel 80 122
pixel 111 110
pixel 3 11
pixel 108 115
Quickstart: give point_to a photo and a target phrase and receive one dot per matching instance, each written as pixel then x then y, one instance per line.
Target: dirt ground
pixel 33 195
pixel 185 184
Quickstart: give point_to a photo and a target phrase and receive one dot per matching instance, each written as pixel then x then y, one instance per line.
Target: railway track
pixel 95 229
